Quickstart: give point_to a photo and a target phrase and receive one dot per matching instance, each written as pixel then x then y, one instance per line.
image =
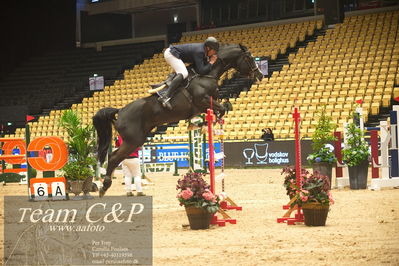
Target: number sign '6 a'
pixel 41 188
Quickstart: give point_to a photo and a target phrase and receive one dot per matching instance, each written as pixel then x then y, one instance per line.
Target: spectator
pixel 131 169
pixel 267 134
pixel 227 105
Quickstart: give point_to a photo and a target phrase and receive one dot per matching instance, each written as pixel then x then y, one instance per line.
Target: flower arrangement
pixel 315 189
pixel 195 192
pixel 290 180
pixel 356 149
pixel 322 136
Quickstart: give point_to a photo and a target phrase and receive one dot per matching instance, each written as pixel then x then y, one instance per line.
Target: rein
pixel 246 57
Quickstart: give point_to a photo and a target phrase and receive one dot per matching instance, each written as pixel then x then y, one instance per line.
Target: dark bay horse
pixel 135 121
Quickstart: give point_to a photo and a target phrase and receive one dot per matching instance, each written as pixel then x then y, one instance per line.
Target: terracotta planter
pixel 324 168
pixel 87 188
pixel 198 218
pixel 358 175
pixel 315 214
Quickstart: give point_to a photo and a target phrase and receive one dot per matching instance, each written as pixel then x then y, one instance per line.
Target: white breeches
pixel 131 169
pixel 177 64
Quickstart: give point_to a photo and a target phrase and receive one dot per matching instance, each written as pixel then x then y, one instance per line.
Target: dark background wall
pixel 105 27
pixel 29 28
pixel 234 12
pixel 155 22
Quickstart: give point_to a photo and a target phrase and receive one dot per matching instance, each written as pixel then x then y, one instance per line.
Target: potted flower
pixel 355 154
pixel 81 145
pixel 290 180
pixel 323 158
pixel 314 198
pixel 200 203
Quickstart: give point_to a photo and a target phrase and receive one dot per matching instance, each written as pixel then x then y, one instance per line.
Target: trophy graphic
pixel 261 152
pixel 248 154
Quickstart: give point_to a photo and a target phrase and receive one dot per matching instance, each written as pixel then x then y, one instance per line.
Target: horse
pixel 136 120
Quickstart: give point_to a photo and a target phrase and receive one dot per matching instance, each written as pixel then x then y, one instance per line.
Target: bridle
pixel 246 56
pixel 248 59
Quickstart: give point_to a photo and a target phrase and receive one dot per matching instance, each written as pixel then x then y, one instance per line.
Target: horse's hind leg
pixel 114 160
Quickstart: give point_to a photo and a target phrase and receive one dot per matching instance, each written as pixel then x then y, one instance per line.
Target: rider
pixel 202 55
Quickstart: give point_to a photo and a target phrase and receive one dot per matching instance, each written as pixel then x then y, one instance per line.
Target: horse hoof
pixel 102 192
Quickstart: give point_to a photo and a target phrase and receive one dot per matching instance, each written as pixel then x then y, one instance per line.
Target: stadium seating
pixel 357 59
pixel 44 81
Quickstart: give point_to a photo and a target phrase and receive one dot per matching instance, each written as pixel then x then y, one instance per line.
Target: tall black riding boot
pixel 174 85
pixel 167 81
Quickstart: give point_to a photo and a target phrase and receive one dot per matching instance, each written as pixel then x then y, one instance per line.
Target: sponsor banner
pixel 168 153
pixel 217 153
pixel 261 153
pixel 145 154
pixel 107 231
pixel 172 152
pixel 237 154
pixel 96 83
pixel 159 167
pixel 263 66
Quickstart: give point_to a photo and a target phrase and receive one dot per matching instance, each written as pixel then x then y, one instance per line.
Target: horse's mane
pixel 226 47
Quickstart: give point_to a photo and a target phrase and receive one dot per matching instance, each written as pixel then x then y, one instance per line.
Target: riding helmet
pixel 212 43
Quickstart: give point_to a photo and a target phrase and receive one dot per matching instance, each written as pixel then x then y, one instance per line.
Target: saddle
pixel 162 88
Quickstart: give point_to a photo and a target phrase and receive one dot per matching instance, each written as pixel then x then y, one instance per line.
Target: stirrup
pixel 155 86
pixel 167 105
pixel 165 101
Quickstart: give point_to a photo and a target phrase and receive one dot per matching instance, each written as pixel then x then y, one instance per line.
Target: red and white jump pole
pixel 298 170
pixel 210 118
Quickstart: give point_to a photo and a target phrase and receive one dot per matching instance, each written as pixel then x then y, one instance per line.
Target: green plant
pixel 315 189
pixel 78 170
pixel 356 148
pixel 10 177
pixel 81 146
pixel 322 136
pixel 32 172
pixel 194 191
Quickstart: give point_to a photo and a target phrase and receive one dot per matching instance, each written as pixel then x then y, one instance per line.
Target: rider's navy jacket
pixel 192 53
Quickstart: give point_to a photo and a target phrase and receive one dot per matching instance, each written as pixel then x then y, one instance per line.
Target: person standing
pixel 267 134
pixel 227 105
pixel 131 169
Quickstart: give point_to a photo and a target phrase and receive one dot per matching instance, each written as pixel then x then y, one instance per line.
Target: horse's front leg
pixel 218 108
pixel 207 102
pixel 115 158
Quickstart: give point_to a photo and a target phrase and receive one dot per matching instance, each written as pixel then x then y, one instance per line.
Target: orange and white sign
pixel 40 188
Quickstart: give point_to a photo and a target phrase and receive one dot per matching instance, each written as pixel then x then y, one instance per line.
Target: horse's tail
pixel 102 122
